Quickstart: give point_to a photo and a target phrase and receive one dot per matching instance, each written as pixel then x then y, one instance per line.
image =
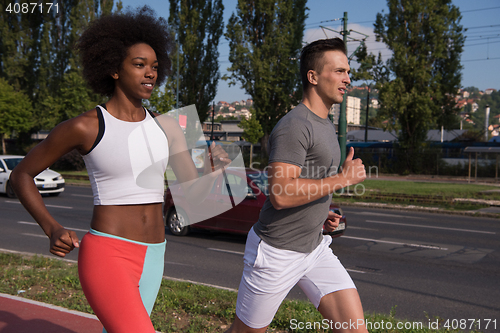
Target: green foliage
pixel 15 111
pixel 37 55
pixel 161 101
pixel 426 40
pixel 265 38
pixel 252 130
pixel 199 26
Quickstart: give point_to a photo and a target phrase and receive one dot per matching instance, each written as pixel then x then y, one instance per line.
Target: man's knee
pixel 239 327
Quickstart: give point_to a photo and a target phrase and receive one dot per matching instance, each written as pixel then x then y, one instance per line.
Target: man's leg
pixel 343 308
pixel 268 275
pixel 332 291
pixel 239 327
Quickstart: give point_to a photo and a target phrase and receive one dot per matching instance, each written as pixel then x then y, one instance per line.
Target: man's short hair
pixel 311 54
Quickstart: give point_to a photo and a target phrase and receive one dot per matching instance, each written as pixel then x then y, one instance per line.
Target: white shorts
pixel 270 273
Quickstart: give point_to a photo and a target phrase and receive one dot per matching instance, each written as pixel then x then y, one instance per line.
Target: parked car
pixel 239 219
pixel 48 181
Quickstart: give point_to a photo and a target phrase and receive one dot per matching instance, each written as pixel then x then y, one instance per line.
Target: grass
pixel 435 194
pixel 180 306
pixel 433 189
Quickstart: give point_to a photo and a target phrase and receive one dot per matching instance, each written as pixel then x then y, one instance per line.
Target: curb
pixel 49 306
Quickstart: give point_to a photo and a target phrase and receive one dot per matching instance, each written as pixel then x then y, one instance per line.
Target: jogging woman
pixel 121 259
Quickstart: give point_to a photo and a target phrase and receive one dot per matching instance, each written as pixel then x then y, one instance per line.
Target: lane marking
pixel 34 235
pixel 242 253
pixel 355 271
pixel 361 228
pixel 432 227
pixel 53 206
pixel 82 195
pixel 421 246
pixel 382 214
pixel 225 251
pixel 34 223
pixel 56 206
pixel 177 263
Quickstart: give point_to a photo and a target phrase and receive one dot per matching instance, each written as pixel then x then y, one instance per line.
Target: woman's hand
pixel 63 241
pixel 217 158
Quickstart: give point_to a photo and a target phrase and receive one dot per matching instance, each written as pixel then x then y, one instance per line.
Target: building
pixel 353 111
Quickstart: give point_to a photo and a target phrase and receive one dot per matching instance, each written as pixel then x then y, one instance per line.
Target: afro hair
pixel 103 46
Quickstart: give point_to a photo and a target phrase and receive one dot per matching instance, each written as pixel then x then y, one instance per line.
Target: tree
pixel 15 111
pixel 370 69
pixel 199 25
pixel 427 41
pixel 265 38
pixel 161 101
pixel 252 131
pixel 37 56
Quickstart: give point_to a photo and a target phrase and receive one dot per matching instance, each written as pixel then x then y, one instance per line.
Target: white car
pixel 47 181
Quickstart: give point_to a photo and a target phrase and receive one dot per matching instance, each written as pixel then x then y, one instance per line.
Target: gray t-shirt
pixel 304 139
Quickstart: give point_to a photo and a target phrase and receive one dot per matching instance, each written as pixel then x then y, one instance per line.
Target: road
pixel 442 265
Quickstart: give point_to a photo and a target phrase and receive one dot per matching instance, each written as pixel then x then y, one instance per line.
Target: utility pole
pixel 177 93
pixel 342 125
pixel 213 115
pixel 342 116
pixel 486 123
pixel 367 111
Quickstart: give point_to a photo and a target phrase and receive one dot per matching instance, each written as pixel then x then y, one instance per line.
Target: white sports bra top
pixel 127 162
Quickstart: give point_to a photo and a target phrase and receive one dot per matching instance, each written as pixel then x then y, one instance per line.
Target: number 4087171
pixel 470 324
pixel 33 7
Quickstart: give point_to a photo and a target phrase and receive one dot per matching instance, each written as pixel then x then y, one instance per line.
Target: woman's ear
pixel 115 76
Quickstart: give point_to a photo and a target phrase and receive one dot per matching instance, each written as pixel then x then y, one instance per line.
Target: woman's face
pixel 137 75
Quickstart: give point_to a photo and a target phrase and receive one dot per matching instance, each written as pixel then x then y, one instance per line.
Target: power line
pixel 476 10
pixel 481 44
pixel 497 58
pixel 485 26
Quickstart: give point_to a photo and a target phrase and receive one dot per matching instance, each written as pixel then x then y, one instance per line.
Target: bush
pixel 72 161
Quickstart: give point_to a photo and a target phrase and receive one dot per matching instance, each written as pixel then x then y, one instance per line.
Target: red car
pixel 238 219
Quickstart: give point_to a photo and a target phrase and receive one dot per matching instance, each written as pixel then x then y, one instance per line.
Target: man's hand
pixel 353 170
pixel 63 241
pixel 332 221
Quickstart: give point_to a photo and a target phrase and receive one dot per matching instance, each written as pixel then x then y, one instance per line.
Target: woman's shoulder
pixel 80 130
pixel 83 122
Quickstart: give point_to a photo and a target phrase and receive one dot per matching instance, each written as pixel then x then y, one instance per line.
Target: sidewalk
pixel 21 315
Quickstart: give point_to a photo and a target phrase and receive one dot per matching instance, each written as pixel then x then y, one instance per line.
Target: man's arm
pixel 287 190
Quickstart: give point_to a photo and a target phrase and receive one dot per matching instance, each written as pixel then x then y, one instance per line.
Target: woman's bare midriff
pixel 142 223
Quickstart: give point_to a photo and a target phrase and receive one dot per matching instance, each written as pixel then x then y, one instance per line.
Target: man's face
pixel 333 78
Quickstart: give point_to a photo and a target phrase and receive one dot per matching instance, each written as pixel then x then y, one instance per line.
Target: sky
pixel 480 58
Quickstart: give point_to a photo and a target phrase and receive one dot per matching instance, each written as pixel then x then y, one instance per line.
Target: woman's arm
pixel 195 188
pixel 69 135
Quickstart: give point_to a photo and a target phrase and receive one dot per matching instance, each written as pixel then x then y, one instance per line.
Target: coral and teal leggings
pixel 120 279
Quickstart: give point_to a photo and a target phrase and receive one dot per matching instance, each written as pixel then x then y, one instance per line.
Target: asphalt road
pixel 425 265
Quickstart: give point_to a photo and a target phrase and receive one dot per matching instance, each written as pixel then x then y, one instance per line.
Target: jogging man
pixel 286 247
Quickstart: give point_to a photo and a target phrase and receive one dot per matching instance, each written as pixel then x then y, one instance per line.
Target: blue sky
pixel 480 59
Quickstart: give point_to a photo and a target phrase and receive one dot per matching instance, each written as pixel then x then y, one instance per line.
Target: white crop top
pixel 127 163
